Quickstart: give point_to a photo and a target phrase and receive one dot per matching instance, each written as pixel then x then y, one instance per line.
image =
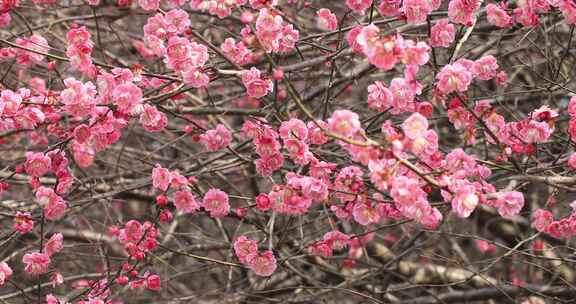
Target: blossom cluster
pixel 263 263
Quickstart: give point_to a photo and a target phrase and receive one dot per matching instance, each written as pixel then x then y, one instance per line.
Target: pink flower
pixel 80 51
pixel 465 200
pixel 321 248
pixel 314 188
pixel 568 9
pixel 497 16
pixel 380 97
pixel 352 39
pixel 365 214
pixel 442 33
pixel 51 299
pixel 36 263
pixel 359 6
pixel 153 282
pixel 185 202
pixel 83 154
pixel 266 165
pixel 462 11
pixel 177 20
pixel 216 139
pixel 161 178
pixel 237 52
pixel 178 54
pixel 541 219
pixel 415 53
pixel 55 210
pixel 153 120
pixel 216 202
pixel 5 20
pixel 415 126
pixel 82 133
pixel 572 161
pixel 195 78
pixel 37 164
pixel 127 97
pixel 509 203
pixel 263 264
pixel 344 122
pixel 389 8
pixel 23 222
pixel 485 68
pixel 336 240
pixel 316 135
pixel 416 11
pixel 298 151
pixel 5 273
pixel 255 85
pixel 293 129
pixel 132 232
pixel 245 249
pixel 54 244
pixel 453 78
pixel 27 58
pixel 484 247
pixel 149 5
pixel 263 202
pixel 326 21
pixel 45 195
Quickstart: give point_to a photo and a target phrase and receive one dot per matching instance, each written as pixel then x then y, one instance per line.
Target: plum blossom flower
pixel 344 122
pixel 327 21
pixel 358 6
pixel 216 202
pixel 5 273
pixel 416 11
pixel 217 138
pixel 509 203
pixel 365 214
pixel 149 5
pixel 541 219
pixel 389 8
pixel 153 282
pixel 497 16
pixel 454 78
pixel 462 11
pixel 293 129
pixel 185 202
pixel 23 222
pixel 37 164
pixel 127 97
pixel 442 33
pixel 572 161
pixel 153 120
pixel 465 200
pixel 415 126
pixel 379 96
pixel 161 178
pixel 196 78
pixel 485 68
pixel 35 42
pixel 245 249
pixel 237 52
pixel 79 98
pixel 83 154
pixel 255 85
pixel 36 263
pixel 336 240
pixel 54 244
pixel 263 264
pixel 415 53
